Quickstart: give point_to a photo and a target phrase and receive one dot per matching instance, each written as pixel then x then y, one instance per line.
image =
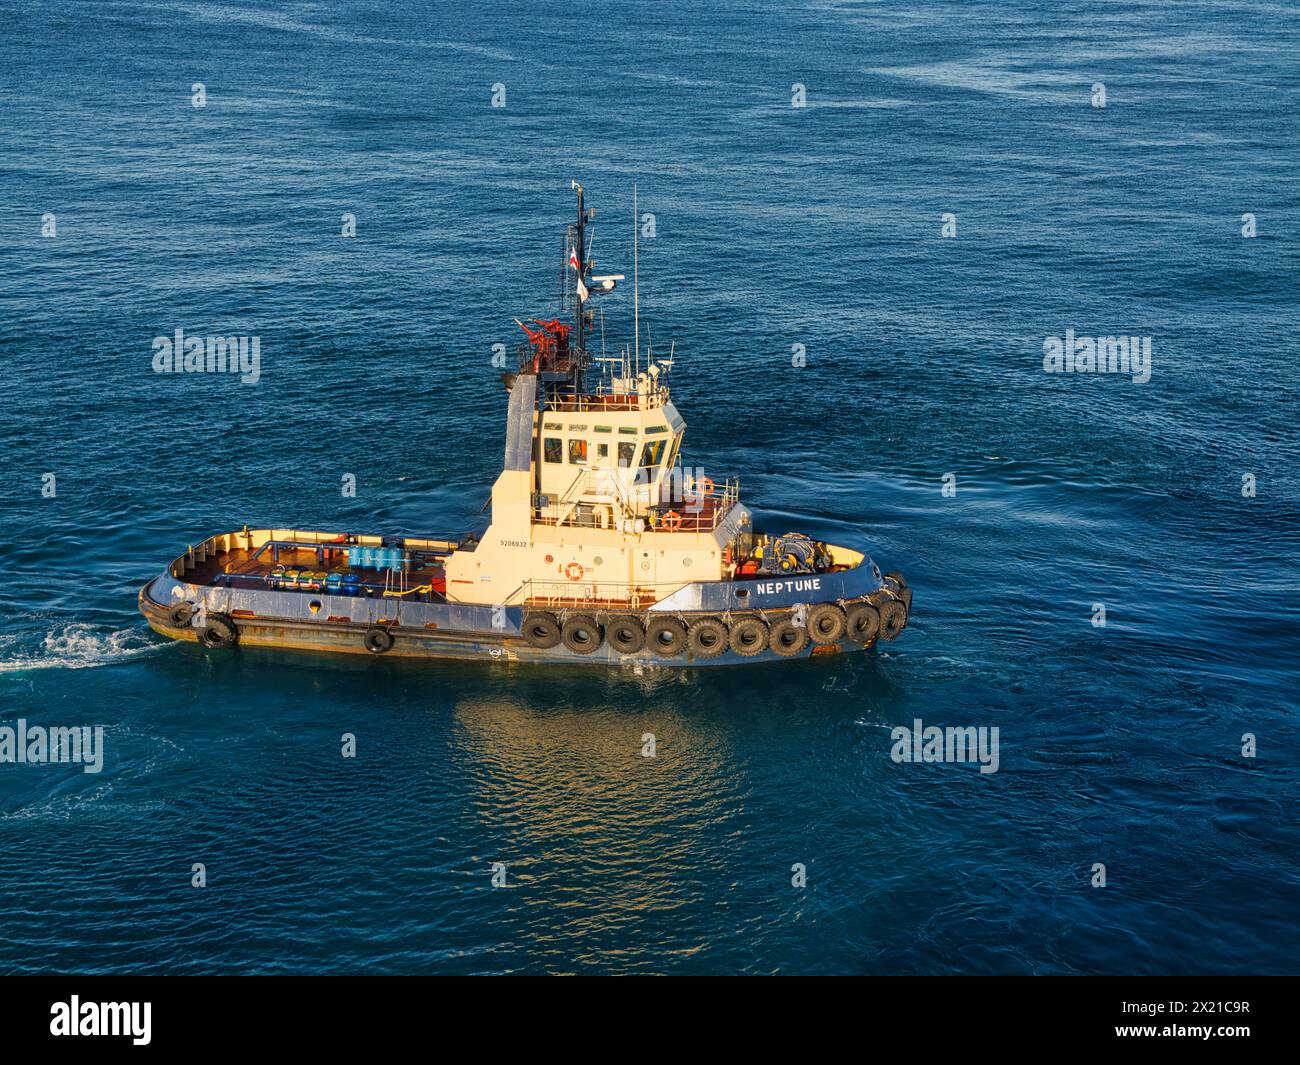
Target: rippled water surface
pixel 775 226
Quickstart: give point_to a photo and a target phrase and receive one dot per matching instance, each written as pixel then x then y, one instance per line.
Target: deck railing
pixel 604 400
pixel 581 592
pixel 599 498
pixel 700 508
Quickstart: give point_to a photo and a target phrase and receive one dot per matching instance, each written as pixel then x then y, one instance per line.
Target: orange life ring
pixel 704 486
pixel 672 521
pixel 574 571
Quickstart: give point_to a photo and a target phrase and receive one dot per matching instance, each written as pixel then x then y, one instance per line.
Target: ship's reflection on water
pixel 623 804
pixel 609 811
pixel 642 821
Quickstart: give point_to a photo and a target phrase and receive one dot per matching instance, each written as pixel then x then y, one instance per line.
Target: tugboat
pixel 601 548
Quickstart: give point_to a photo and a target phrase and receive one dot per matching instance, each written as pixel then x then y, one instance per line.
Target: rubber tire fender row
pixel 826 623
pixel 788 638
pixel 625 633
pixel 377 640
pixel 862 622
pixel 749 636
pixel 218 630
pixel 707 637
pixel 581 634
pixel 541 630
pixel 666 637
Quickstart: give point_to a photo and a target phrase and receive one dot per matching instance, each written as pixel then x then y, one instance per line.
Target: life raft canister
pixel 574 571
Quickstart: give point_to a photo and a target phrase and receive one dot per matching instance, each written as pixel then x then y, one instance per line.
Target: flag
pixel 573 258
pixel 582 289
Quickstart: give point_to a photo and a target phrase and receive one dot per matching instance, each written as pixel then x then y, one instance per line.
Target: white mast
pixel 636 287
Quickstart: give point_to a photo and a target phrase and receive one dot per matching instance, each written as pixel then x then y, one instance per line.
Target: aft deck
pixel 317 566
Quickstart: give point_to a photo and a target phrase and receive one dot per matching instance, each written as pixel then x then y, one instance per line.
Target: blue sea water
pixel 774 226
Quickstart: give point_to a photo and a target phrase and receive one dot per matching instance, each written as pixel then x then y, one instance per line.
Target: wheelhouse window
pixel 578 452
pixel 626 453
pixel 553 449
pixel 602 451
pixel 652 453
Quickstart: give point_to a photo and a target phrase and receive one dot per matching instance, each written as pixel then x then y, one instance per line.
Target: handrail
pixel 607 400
pixel 693 510
pixel 598 480
pixel 562 593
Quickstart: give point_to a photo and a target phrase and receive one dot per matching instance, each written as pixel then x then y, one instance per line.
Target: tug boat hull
pixel 175 607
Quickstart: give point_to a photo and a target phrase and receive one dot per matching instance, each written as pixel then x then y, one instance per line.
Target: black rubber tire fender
pixel 625 633
pixel 180 616
pixel 707 637
pixel 541 630
pixel 826 623
pixel 904 590
pixel 666 637
pixel 893 619
pixel 581 634
pixel 862 622
pixel 787 638
pixel 218 630
pixel 749 636
pixel 377 639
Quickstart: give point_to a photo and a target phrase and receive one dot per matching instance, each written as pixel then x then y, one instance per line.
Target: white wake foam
pixel 76 646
